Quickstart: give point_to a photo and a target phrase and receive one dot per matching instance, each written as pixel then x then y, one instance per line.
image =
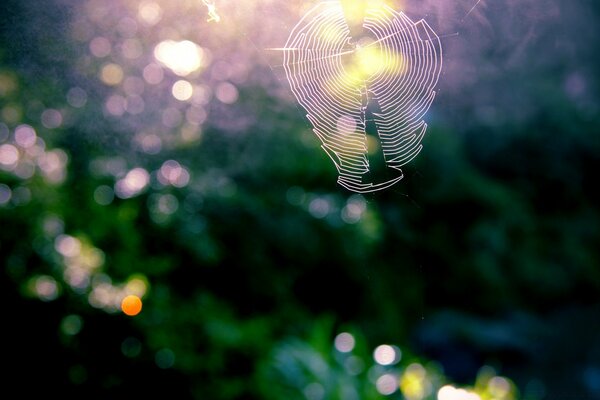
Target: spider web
pixel 380 79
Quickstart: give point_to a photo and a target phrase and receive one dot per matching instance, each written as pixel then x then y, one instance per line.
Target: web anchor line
pixel 470 11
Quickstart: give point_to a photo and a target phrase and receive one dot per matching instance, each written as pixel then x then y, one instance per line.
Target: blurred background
pixel 169 224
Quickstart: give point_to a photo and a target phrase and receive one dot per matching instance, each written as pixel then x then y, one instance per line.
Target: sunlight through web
pixel 366 79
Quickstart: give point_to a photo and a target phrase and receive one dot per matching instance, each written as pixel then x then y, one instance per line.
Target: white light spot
pixel 385 355
pixel 46 288
pixel 226 93
pixel 67 246
pixel 451 393
pixel 319 207
pixel 25 136
pixel 53 165
pixel 9 156
pixel 344 342
pixel 446 393
pixel 172 173
pixel 354 209
pixel 387 384
pixel 149 13
pixel 182 58
pixel 182 90
pixel 132 184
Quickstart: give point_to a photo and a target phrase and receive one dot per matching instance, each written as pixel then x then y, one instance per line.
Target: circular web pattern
pixel 392 67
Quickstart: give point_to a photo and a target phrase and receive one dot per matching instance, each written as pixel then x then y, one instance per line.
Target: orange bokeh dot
pixel 131 305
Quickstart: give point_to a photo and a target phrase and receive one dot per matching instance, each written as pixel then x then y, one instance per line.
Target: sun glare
pixel 182 57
